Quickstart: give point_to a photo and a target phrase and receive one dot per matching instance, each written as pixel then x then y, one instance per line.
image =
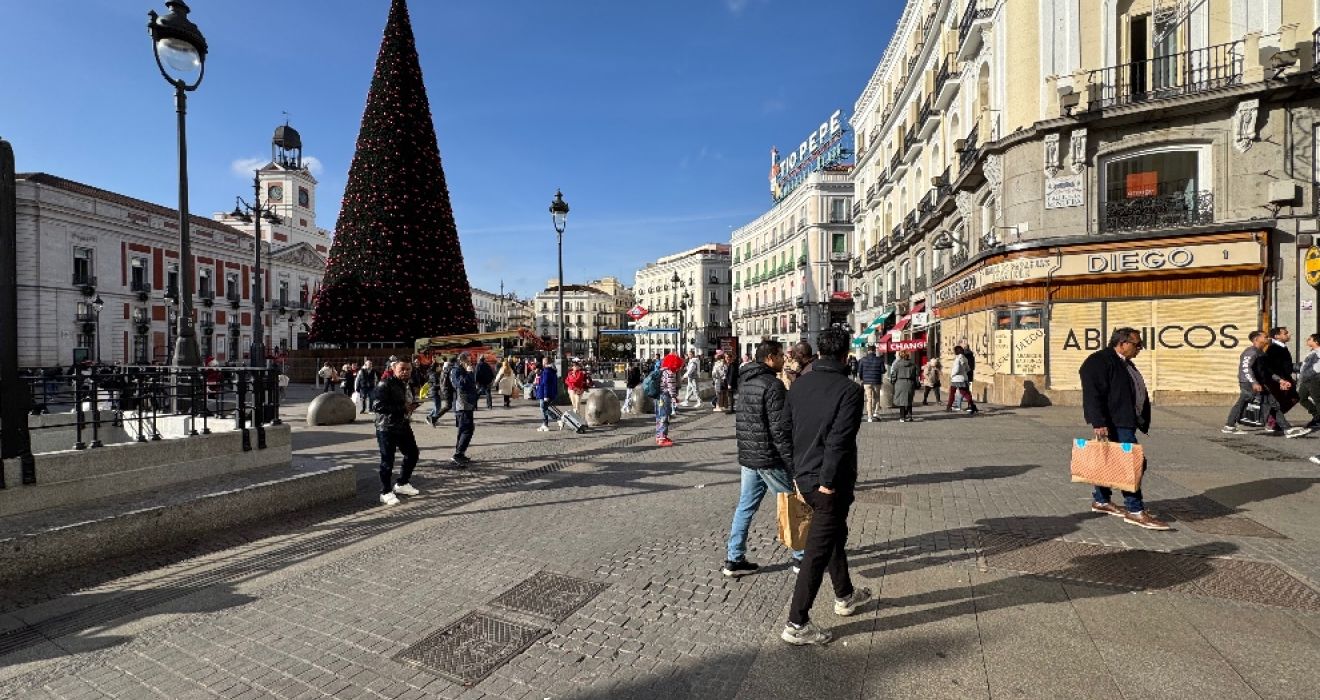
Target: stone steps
pixel 52 539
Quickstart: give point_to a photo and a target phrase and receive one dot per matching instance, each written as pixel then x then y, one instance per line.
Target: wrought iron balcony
pixel 84 316
pixel 919 283
pixel 957 259
pixel 971 149
pixel 1171 75
pixel 905 290
pixel 949 71
pixel 82 279
pixel 977 11
pixel 857 208
pixel 937 272
pixel 1178 209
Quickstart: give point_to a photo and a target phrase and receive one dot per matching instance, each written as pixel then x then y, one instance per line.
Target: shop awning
pixel 907 318
pixel 897 345
pixel 878 322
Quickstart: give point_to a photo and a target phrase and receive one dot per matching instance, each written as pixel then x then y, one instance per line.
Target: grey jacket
pixel 1311 365
pixel 465 388
pixel 903 374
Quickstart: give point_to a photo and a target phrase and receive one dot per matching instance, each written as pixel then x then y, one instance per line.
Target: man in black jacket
pixel 826 406
pixel 1116 404
pixel 1279 359
pixel 764 433
pixel 485 376
pixel 393 404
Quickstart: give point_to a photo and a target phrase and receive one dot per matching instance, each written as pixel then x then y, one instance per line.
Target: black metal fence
pixel 1169 75
pixel 135 399
pixel 1176 209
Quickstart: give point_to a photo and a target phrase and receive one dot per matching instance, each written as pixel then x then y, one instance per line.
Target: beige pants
pixel 575 399
pixel 872 399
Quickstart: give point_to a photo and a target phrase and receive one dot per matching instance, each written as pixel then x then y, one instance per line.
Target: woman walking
pixel 630 383
pixel 664 406
pixel 958 382
pixel 545 392
pixel 931 381
pixel 506 381
pixel 719 375
pixel 903 376
pixel 577 381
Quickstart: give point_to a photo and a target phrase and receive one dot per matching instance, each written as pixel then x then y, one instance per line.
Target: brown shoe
pixel 1108 509
pixel 1146 520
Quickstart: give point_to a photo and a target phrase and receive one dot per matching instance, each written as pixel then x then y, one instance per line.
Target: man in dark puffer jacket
pixel 764 433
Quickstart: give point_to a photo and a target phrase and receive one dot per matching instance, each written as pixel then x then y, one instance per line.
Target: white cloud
pixel 736 6
pixel 243 167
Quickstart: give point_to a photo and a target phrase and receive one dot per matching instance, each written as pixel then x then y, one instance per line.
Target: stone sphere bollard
pixel 601 407
pixel 331 408
pixel 642 404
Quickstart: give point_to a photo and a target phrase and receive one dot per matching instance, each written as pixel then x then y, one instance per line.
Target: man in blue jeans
pixel 764 431
pixel 1116 404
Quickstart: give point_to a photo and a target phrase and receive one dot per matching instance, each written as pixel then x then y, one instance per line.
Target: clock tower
pixel 289 188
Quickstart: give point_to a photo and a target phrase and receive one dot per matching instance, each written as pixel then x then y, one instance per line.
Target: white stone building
pixel 78 243
pixel 703 275
pixel 586 309
pixel 790 265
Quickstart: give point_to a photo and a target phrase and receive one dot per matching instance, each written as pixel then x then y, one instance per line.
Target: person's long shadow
pixel 1105 574
pixel 976 473
pixel 1228 500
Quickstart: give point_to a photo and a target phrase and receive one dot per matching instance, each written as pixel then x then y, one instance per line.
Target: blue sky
pixel 656 119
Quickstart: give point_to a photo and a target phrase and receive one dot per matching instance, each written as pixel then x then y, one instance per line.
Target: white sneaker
pixel 406 490
pixel 1297 432
pixel 1232 430
pixel 848 606
pixel 806 634
pixel 389 499
pixel 543 429
pixel 1315 459
pixel 870 419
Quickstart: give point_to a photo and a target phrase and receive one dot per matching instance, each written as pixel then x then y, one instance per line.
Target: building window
pixel 172 278
pixel 1157 189
pixel 838 210
pixel 82 266
pixel 137 275
pixel 204 283
pixel 284 292
pixel 139 349
pixel 231 285
pixel 839 244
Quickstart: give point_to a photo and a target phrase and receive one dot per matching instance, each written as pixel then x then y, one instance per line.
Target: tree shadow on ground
pixel 975 473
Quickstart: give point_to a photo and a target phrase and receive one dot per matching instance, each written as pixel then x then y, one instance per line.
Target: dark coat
pixel 634 376
pixel 971 364
pixel 465 388
pixel 1107 393
pixel 390 404
pixel 367 379
pixel 548 386
pixel 871 369
pixel 762 425
pixel 826 406
pixel 903 374
pixel 484 374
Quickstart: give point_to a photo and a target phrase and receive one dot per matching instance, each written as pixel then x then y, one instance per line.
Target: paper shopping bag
pixel 1116 465
pixel 794 520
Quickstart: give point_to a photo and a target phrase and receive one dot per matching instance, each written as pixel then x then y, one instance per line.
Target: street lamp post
pixel 254 213
pixel 97 305
pixel 178 46
pixel 559 215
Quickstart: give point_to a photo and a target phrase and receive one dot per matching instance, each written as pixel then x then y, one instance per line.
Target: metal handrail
pixel 1171 75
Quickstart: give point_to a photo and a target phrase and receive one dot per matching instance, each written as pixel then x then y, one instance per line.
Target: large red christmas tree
pixel 395 271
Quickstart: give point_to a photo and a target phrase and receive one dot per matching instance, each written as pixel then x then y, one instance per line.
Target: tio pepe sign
pixel 821 149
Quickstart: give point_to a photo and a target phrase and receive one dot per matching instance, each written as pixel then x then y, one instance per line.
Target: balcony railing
pixel 937 272
pixel 971 149
pixel 976 10
pixel 948 71
pixel 1173 75
pixel 856 209
pixel 957 259
pixel 894 162
pixel 84 280
pixel 1164 211
pixel 919 283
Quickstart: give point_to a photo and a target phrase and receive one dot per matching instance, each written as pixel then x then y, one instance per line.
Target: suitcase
pixel 570 419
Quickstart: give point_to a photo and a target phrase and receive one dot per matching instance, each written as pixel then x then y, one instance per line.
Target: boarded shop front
pixel 1191 344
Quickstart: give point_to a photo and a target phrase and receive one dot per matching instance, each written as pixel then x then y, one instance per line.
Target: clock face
pixel 275 193
pixel 304 197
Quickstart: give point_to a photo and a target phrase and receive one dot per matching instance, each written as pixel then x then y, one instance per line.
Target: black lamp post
pixel 180 52
pixel 97 305
pixel 171 298
pixel 253 214
pixel 559 214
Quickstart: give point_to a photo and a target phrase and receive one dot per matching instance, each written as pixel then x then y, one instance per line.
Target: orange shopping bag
pixel 794 520
pixel 1117 465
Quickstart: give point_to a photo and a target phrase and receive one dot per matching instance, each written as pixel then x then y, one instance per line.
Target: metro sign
pixel 637 312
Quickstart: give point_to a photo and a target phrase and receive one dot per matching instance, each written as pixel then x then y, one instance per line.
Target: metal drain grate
pixel 882 497
pixel 471 648
pixel 1211 517
pixel 1227 579
pixel 1256 450
pixel 549 595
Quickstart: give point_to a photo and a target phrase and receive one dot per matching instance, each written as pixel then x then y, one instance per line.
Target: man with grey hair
pixel 393 403
pixel 691 377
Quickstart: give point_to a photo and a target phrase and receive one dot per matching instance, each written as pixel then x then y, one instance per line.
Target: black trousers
pixel 466 426
pixel 389 442
pixel 825 552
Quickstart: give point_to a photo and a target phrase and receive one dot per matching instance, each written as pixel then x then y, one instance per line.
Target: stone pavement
pixel 992 578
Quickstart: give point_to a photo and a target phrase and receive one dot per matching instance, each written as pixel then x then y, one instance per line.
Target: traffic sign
pixel 1313 266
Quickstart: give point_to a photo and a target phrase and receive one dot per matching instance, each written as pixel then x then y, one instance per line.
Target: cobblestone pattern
pixel 652 523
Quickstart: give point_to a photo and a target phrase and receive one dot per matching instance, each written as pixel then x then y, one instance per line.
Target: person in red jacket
pixel 577 381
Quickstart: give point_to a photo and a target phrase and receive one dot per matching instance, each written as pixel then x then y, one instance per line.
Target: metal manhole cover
pixel 1228 579
pixel 471 648
pixel 883 497
pixel 549 595
pixel 1256 450
pixel 1211 517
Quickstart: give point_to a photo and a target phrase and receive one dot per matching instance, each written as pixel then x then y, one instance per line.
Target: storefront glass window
pixel 1153 175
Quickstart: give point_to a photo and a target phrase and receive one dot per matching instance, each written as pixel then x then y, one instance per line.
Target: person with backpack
pixel 465 403
pixel 485 376
pixel 442 392
pixel 666 397
pixel 546 390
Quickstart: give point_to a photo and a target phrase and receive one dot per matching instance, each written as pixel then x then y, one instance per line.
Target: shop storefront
pixel 1032 316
